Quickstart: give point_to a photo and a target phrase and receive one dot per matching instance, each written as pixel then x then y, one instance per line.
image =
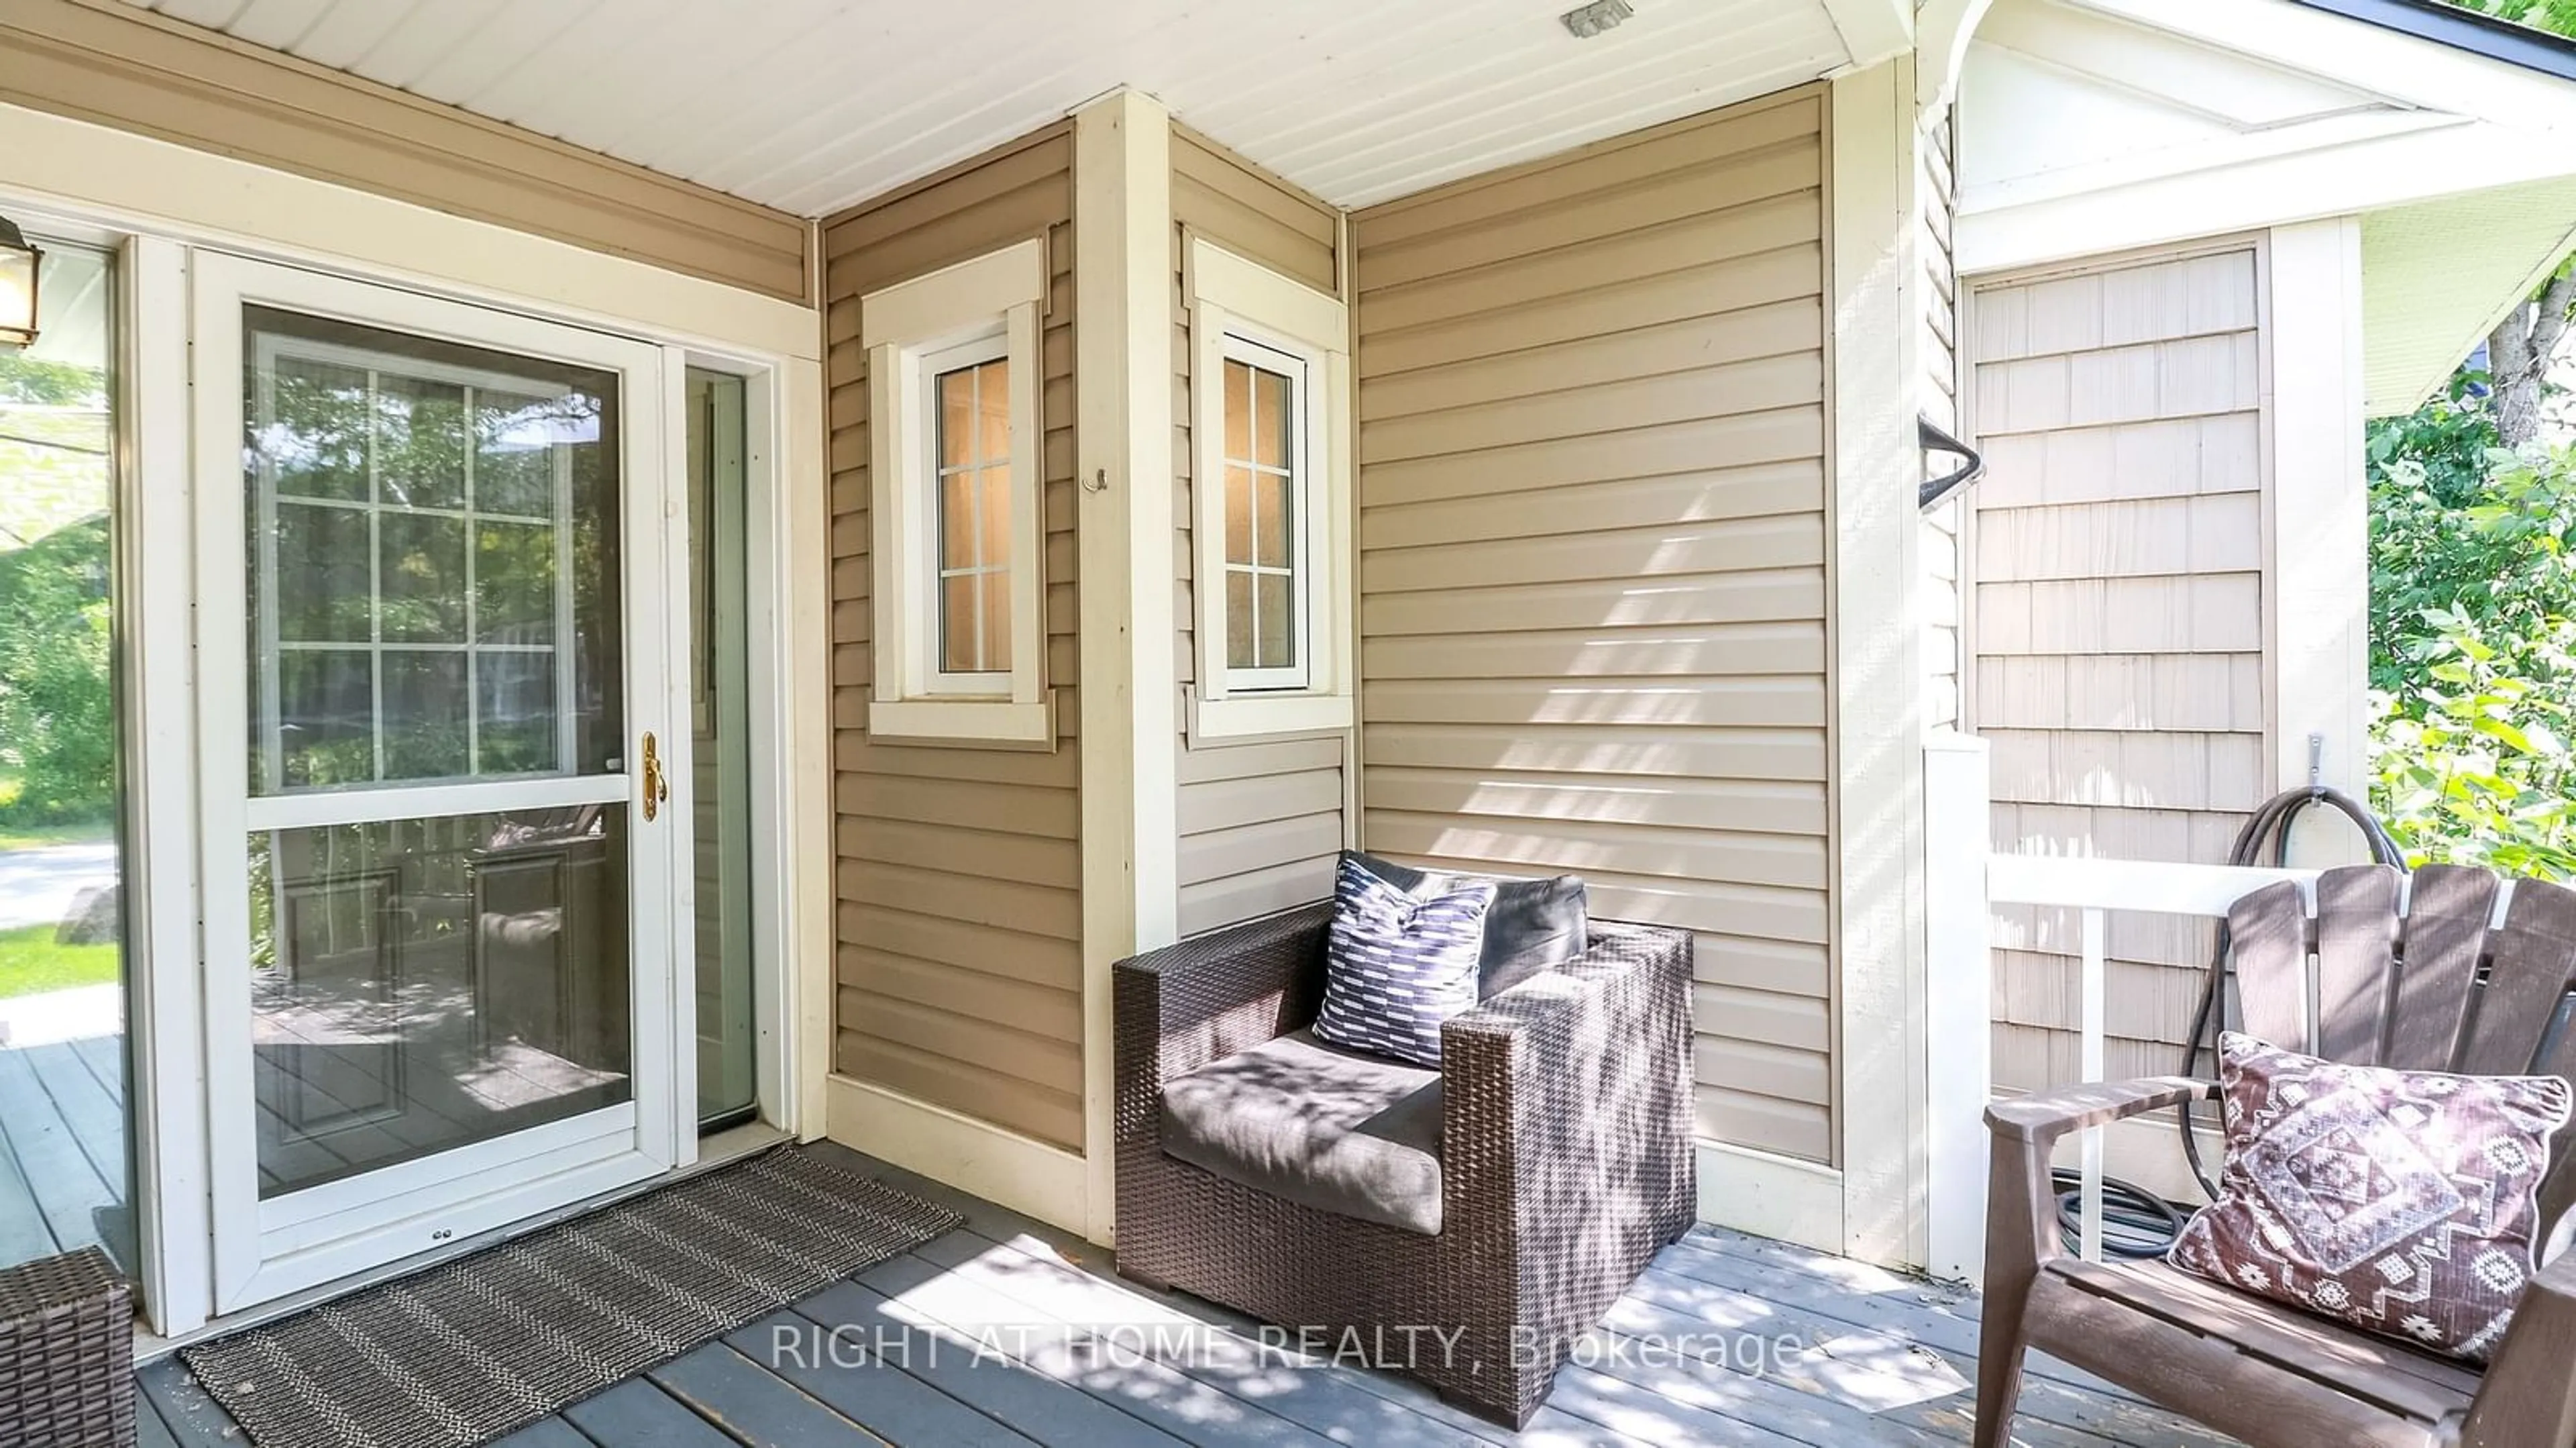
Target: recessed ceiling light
pixel 1596 17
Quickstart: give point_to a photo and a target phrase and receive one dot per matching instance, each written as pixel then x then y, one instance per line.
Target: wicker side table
pixel 66 1353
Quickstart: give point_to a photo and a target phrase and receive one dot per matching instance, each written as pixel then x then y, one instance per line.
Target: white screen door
pixel 438 876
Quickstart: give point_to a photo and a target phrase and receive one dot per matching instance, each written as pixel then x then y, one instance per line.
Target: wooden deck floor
pixel 62 1145
pixel 1069 1361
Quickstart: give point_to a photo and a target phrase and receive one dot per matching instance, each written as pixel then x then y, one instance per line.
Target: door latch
pixel 657 790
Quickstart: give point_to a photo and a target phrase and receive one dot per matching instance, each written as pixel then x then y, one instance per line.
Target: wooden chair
pixel 2427 987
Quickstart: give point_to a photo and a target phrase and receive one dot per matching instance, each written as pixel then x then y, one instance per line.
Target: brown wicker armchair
pixel 1560 1126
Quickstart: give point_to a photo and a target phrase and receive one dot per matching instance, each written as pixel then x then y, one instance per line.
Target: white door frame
pixel 266 1249
pixel 157 251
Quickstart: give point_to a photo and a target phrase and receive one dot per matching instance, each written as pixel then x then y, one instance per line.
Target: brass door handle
pixel 657 790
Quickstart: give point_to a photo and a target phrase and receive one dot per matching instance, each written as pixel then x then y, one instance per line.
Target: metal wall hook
pixel 1934 439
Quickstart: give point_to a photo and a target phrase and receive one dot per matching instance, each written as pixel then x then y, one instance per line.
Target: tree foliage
pixel 2552 15
pixel 2473 638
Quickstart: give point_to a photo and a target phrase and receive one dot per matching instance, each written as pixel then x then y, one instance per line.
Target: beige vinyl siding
pixel 1592 562
pixel 2120 618
pixel 1259 820
pixel 122 66
pixel 1943 544
pixel 959 872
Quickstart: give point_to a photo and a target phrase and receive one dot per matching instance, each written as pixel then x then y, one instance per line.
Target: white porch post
pixel 1874 290
pixel 1958 1009
pixel 2318 571
pixel 1122 282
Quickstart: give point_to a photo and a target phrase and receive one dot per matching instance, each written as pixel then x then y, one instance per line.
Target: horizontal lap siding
pixel 959 872
pixel 125 67
pixel 1592 562
pixel 1259 821
pixel 2120 621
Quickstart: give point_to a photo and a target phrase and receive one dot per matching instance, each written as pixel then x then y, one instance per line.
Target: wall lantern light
pixel 19 262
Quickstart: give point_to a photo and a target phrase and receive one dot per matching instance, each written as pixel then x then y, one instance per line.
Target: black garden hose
pixel 2266 831
pixel 2136 1223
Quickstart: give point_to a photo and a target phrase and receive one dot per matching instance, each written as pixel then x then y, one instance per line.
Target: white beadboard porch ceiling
pixel 811 105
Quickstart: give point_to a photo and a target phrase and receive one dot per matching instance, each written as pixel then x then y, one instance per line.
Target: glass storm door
pixel 437 866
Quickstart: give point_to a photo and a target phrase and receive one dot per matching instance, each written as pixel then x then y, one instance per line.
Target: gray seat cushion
pixel 1315 1125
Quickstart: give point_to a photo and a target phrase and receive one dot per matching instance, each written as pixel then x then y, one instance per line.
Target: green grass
pixel 38 837
pixel 30 962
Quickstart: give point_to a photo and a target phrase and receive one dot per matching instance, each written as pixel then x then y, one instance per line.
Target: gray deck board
pixel 753 1405
pixel 59 1173
pixel 999 1335
pixel 636 1414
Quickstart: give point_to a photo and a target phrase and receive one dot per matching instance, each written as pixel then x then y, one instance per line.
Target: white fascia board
pixel 1873 30
pixel 2357 177
pixel 2404 68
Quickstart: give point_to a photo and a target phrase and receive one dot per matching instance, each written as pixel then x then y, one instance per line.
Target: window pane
pixel 420 441
pixel 514 583
pixel 957 418
pixel 1276 620
pixel 957 520
pixel 318 444
pixel 1238 515
pixel 321 574
pixel 422 578
pixel 421 985
pixel 997 622
pixel 515 714
pixel 1270 530
pixel 1238 410
pixel 1238 621
pixel 63 1005
pixel 326 709
pixel 1270 416
pixel 496 522
pixel 993 404
pixel 425 730
pixel 996 487
pixel 957 634
pixel 515 440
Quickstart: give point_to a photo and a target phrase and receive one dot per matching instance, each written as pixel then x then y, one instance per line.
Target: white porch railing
pixel 1964 881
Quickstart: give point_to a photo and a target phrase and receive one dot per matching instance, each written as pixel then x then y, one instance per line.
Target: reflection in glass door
pixel 64 1178
pixel 720 715
pixel 451 995
pixel 434 544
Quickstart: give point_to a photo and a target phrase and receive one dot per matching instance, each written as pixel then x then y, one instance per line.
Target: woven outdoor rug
pixel 471 1349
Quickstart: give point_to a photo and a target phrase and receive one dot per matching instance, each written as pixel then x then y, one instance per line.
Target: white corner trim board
pixel 1877 299
pixel 1129 694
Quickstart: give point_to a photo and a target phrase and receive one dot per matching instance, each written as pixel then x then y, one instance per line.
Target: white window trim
pixel 908 329
pixel 1304 371
pixel 1231 298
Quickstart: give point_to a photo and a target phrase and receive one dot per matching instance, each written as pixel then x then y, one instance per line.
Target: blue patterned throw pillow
pixel 1396 965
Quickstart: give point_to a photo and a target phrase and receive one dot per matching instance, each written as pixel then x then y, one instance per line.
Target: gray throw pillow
pixel 1535 925
pixel 1397 965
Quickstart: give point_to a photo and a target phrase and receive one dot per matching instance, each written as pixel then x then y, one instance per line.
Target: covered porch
pixel 979 530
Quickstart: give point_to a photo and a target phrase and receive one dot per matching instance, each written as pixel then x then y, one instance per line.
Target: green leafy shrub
pixel 2473 640
pixel 57 704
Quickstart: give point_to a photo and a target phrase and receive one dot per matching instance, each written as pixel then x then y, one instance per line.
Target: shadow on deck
pixel 1009 1332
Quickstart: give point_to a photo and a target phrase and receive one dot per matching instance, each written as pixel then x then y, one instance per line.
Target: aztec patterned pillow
pixel 1396 965
pixel 2404 1203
